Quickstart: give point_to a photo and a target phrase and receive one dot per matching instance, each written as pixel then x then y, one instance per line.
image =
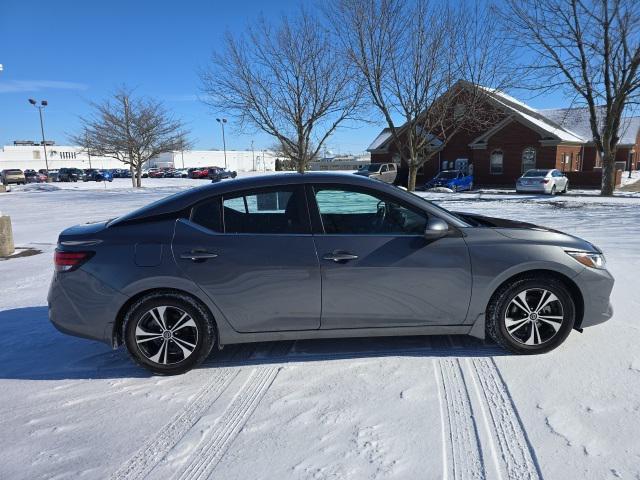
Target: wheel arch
pixel 574 290
pixel 116 334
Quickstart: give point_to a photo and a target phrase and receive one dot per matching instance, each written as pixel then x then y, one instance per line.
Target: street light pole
pixel 40 107
pixel 224 142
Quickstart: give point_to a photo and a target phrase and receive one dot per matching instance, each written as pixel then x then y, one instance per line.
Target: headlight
pixel 590 259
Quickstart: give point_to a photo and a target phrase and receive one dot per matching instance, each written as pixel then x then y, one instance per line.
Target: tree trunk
pixel 138 176
pixel 608 174
pixel 413 173
pixel 300 165
pixel 133 176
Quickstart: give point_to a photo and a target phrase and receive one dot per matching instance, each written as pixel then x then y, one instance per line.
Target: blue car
pixel 455 180
pixel 92 175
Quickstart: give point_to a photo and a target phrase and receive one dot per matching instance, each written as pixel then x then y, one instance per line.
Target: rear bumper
pixel 82 306
pixel 596 287
pixel 533 188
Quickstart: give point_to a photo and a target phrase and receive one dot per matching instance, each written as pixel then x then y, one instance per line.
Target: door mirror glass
pixel 436 228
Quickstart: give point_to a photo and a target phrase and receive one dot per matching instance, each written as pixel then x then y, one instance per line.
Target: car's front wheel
pixel 168 333
pixel 533 314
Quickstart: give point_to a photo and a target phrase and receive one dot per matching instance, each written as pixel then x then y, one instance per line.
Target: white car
pixel 542 181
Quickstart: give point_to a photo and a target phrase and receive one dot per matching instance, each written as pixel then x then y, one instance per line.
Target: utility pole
pixel 40 107
pixel 224 143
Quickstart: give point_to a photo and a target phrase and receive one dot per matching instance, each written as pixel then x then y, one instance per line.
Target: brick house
pixel 519 139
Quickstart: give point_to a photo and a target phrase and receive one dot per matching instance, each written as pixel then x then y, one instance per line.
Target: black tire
pixel 566 187
pixel 553 191
pixel 203 334
pixel 502 300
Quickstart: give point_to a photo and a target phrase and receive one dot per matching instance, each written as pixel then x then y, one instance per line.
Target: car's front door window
pixel 348 211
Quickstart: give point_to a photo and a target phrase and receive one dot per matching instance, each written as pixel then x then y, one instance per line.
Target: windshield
pixel 449 174
pixel 536 173
pixel 373 168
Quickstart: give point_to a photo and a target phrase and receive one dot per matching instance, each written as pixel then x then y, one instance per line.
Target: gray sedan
pixel 321 255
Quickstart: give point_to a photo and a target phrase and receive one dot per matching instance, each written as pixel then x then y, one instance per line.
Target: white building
pixel 25 156
pixel 30 155
pixel 238 160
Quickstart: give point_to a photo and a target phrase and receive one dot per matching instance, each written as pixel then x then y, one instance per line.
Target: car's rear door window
pixel 276 210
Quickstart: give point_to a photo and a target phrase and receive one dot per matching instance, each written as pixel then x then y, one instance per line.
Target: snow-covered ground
pixel 405 408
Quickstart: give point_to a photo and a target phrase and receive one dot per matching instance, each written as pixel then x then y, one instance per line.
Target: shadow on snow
pixel 32 349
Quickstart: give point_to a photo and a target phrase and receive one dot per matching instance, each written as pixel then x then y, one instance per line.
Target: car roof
pixel 186 198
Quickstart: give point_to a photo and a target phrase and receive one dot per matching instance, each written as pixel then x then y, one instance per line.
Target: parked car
pixel 93 175
pixel 182 173
pixel 31 176
pixel 386 172
pixel 145 173
pixel 156 173
pixel 216 174
pixel 12 175
pixel 200 172
pixel 291 256
pixel 52 175
pixel 69 174
pixel 543 181
pixel 455 180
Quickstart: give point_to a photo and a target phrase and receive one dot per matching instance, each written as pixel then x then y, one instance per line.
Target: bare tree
pixel 412 55
pixel 287 80
pixel 591 49
pixel 132 130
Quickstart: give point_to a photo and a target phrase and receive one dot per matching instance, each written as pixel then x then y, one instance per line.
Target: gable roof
pixel 533 117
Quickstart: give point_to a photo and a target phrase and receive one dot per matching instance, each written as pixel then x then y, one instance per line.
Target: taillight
pixel 68 261
pixel 544 180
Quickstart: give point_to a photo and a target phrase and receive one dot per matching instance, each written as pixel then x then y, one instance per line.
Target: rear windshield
pixel 14 172
pixel 448 174
pixel 536 173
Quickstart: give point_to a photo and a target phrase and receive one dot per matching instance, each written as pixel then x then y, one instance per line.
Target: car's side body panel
pixel 261 282
pixel 396 281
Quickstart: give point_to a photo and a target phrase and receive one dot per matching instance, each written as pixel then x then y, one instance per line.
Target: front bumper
pixel 596 287
pixel 83 306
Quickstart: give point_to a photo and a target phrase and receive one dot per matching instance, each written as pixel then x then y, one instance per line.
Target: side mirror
pixel 436 228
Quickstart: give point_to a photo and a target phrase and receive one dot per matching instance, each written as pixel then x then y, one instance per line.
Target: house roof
pixel 380 140
pixel 534 117
pixel 578 120
pixel 569 125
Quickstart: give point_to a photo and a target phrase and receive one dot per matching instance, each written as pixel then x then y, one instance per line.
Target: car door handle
pixel 198 255
pixel 340 256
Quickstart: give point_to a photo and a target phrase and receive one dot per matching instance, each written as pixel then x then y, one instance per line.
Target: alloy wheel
pixel 166 335
pixel 534 316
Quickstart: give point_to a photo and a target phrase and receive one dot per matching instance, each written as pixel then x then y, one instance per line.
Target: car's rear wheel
pixel 531 315
pixel 553 190
pixel 168 333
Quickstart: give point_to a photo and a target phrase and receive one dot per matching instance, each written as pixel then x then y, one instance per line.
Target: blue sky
pixel 72 52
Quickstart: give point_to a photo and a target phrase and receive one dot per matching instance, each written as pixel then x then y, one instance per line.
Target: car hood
pixel 529 232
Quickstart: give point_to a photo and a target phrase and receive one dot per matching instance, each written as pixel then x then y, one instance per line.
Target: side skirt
pixel 227 337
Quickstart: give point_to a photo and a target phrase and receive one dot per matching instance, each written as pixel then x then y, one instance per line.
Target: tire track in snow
pixel 512 452
pixel 154 450
pixel 206 457
pixel 462 453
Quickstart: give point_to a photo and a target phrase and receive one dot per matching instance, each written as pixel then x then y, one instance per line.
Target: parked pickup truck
pixel 385 172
